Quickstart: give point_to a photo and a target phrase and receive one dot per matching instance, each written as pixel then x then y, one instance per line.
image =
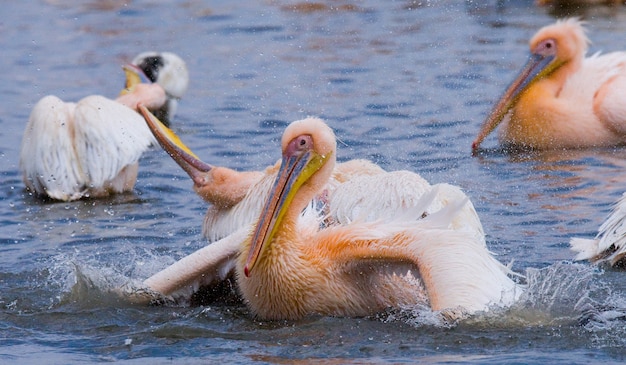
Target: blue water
pixel 404 83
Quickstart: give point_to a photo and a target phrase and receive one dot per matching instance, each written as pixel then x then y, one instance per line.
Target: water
pixel 404 83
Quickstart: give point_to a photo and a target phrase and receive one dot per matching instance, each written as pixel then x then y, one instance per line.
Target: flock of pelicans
pixel 308 235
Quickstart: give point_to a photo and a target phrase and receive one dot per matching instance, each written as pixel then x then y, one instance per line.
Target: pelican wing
pixel 455 267
pixel 372 197
pixel 610 243
pixel 391 195
pixel 210 264
pixel 608 72
pixel 455 271
pixel 47 158
pixel 109 136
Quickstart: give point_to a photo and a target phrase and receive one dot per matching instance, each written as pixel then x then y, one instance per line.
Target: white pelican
pixel 289 266
pixel 562 99
pixel 91 148
pixel 609 246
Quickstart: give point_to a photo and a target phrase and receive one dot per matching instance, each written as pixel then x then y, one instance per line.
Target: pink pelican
pixel 91 148
pixel 562 99
pixel 290 266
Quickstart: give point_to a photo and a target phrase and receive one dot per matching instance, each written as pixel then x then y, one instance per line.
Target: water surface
pixel 404 83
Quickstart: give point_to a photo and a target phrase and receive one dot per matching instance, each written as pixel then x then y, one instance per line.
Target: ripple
pixel 252 29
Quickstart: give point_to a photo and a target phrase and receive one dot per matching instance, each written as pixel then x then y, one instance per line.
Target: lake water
pixel 404 83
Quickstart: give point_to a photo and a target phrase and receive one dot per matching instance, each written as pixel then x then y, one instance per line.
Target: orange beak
pixel 296 168
pixel 172 144
pixel 537 67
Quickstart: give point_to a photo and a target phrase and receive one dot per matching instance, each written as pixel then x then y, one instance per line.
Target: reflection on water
pixel 405 83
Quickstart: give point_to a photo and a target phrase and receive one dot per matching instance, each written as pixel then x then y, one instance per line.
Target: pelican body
pixel 290 265
pixel 609 246
pixel 91 148
pixel 562 99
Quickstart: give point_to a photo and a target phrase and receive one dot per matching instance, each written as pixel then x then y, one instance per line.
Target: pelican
pixel 609 245
pixel 91 148
pixel 562 99
pixel 236 197
pixel 168 70
pixel 289 266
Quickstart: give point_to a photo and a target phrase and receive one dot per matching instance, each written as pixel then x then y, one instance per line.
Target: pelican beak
pixel 172 144
pixel 134 76
pixel 295 169
pixel 537 67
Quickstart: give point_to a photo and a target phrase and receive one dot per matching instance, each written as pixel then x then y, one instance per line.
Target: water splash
pixel 97 280
pixel 564 297
pixel 564 293
pixel 556 293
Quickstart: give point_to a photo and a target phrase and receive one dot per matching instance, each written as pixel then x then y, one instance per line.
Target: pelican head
pixel 308 149
pixel 169 71
pixel 559 46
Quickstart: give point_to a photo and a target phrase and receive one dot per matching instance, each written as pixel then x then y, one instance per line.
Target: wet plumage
pixel 90 148
pixel 609 246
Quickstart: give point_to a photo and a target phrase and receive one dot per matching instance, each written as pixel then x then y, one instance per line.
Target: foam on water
pixel 564 293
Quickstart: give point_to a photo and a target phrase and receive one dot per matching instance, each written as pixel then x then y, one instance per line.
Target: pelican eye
pixel 299 145
pixel 547 47
pixel 304 142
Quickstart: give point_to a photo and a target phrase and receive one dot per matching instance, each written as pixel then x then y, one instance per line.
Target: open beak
pixel 172 144
pixel 134 76
pixel 536 68
pixel 294 170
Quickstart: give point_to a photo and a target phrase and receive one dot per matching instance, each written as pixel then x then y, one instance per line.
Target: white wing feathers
pixel 454 257
pixel 396 195
pixel 454 262
pixel 609 245
pixel 458 271
pixel 47 157
pixel 68 148
pixel 108 137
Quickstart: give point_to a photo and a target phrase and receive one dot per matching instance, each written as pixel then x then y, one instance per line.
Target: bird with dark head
pixel 170 71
